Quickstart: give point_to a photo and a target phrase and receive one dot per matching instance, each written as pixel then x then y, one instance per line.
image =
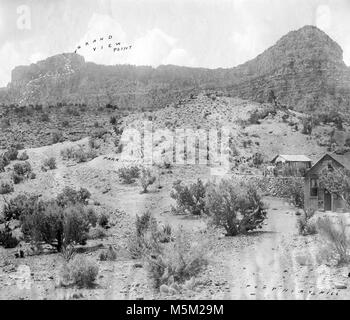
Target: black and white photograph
pixel 192 150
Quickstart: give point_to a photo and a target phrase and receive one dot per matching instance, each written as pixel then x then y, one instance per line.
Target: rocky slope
pixel 305 69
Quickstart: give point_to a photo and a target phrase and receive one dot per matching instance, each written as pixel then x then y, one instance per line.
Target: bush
pixel 237 207
pixel 4 161
pixel 103 221
pixel 45 117
pixel 180 262
pixel 56 226
pixel 189 199
pixel 145 237
pixel 113 120
pixel 165 234
pixel 129 175
pixel 146 179
pixel 18 206
pixel 81 272
pixel 23 156
pixel 57 137
pixel 71 196
pixel 49 164
pixel 108 255
pixel 78 154
pixel 17 178
pixel 295 191
pixel 336 237
pixel 6 239
pixel 307 126
pixel 305 225
pixel 6 187
pixel 68 253
pixel 11 154
pixel 22 169
pixel 93 143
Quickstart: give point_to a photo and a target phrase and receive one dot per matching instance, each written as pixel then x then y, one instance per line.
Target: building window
pixel 313 187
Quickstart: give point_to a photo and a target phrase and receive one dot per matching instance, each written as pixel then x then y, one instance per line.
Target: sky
pixel 198 33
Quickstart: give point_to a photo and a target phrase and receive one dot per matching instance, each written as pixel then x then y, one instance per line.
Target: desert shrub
pixel 177 263
pixel 258 159
pixel 18 206
pixel 71 196
pixel 144 239
pixel 93 143
pixel 99 133
pixel 295 192
pixel 6 187
pixel 45 117
pixel 260 114
pixel 307 126
pixel 80 272
pixel 67 153
pixel 305 225
pixel 57 137
pixel 189 199
pixel 6 239
pixel 103 220
pixel 129 175
pixel 336 236
pixel 23 156
pixel 97 233
pixel 22 169
pixel 4 161
pixel 11 154
pixel 108 255
pixel 78 154
pixel 165 234
pixel 113 120
pixel 56 226
pixel 81 155
pixel 17 178
pixel 146 179
pixel 68 253
pixel 49 164
pixel 347 142
pixel 237 207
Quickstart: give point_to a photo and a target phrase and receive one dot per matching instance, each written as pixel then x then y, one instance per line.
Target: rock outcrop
pixel 304 69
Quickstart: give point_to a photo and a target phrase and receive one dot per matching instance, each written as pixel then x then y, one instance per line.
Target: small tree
pixel 146 179
pixel 336 181
pixel 189 199
pixel 237 207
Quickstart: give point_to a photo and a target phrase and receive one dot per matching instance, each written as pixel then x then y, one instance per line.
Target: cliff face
pixel 305 69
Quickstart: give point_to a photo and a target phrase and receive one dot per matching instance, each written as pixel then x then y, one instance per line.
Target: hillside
pixel 304 69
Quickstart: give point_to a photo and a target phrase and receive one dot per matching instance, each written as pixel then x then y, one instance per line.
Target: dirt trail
pixel 266 268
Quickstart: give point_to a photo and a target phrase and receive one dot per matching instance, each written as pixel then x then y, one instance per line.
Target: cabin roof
pixel 292 158
pixel 343 160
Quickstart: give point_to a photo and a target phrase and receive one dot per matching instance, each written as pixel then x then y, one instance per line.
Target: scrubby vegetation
pixel 79 154
pixel 129 175
pixel 306 226
pixel 189 199
pixel 181 260
pixel 336 235
pixel 49 164
pixel 6 187
pixel 21 171
pixel 146 179
pixel 236 207
pixel 80 271
pixel 59 222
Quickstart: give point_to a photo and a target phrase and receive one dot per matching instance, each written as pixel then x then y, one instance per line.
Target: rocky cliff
pixel 304 69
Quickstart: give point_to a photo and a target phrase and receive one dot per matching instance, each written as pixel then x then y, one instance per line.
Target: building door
pixel 327 201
